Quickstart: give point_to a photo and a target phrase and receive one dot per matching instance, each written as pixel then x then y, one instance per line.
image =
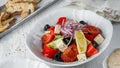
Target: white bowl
pixel 33 39
pixel 105 62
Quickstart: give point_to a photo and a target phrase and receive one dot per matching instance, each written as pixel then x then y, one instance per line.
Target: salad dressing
pixel 113 60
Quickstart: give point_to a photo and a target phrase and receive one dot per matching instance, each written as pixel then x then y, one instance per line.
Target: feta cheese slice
pixel 46 32
pixel 99 39
pixel 88 42
pixel 58 44
pixel 61 46
pixel 57 29
pixel 81 57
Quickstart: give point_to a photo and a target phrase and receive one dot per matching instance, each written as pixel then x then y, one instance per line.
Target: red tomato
pixel 46 38
pixel 51 29
pixel 91 50
pixel 62 20
pixel 90 32
pixel 49 52
pixel 70 54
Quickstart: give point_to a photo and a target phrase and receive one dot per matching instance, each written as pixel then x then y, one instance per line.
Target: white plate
pixel 33 39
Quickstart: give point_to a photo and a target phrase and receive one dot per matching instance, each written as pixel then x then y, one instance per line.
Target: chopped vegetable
pixel 70 54
pixel 62 20
pixel 49 52
pixel 58 36
pixel 90 32
pixel 51 29
pixel 46 38
pixel 58 44
pixel 91 50
pixel 70 27
pixel 54 43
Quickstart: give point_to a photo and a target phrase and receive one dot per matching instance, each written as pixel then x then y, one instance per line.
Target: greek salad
pixel 69 40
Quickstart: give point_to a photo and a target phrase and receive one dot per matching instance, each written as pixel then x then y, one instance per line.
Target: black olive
pixel 47 26
pixel 57 56
pixel 95 44
pixel 66 40
pixel 82 22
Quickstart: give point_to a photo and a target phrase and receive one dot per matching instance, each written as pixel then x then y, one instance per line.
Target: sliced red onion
pixel 70 41
pixel 70 27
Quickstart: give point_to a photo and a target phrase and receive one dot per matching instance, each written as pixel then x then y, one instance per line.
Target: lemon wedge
pixel 80 41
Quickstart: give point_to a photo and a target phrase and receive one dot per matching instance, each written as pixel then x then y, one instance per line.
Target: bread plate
pixel 41 6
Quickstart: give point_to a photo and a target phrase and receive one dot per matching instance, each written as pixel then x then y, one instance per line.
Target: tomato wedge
pixel 62 20
pixel 49 52
pixel 51 29
pixel 46 38
pixel 90 32
pixel 70 54
pixel 91 50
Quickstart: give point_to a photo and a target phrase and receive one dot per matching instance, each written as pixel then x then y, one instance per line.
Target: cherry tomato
pixel 90 32
pixel 49 52
pixel 70 54
pixel 62 20
pixel 91 50
pixel 46 38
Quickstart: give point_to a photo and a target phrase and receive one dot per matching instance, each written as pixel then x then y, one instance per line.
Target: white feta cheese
pixel 46 32
pixel 61 46
pixel 57 29
pixel 81 57
pixel 58 44
pixel 88 42
pixel 99 39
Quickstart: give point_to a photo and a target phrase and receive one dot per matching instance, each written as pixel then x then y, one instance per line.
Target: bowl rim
pixel 105 60
pixel 79 63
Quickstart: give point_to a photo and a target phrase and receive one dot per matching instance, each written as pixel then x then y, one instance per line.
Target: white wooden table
pixel 14 44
